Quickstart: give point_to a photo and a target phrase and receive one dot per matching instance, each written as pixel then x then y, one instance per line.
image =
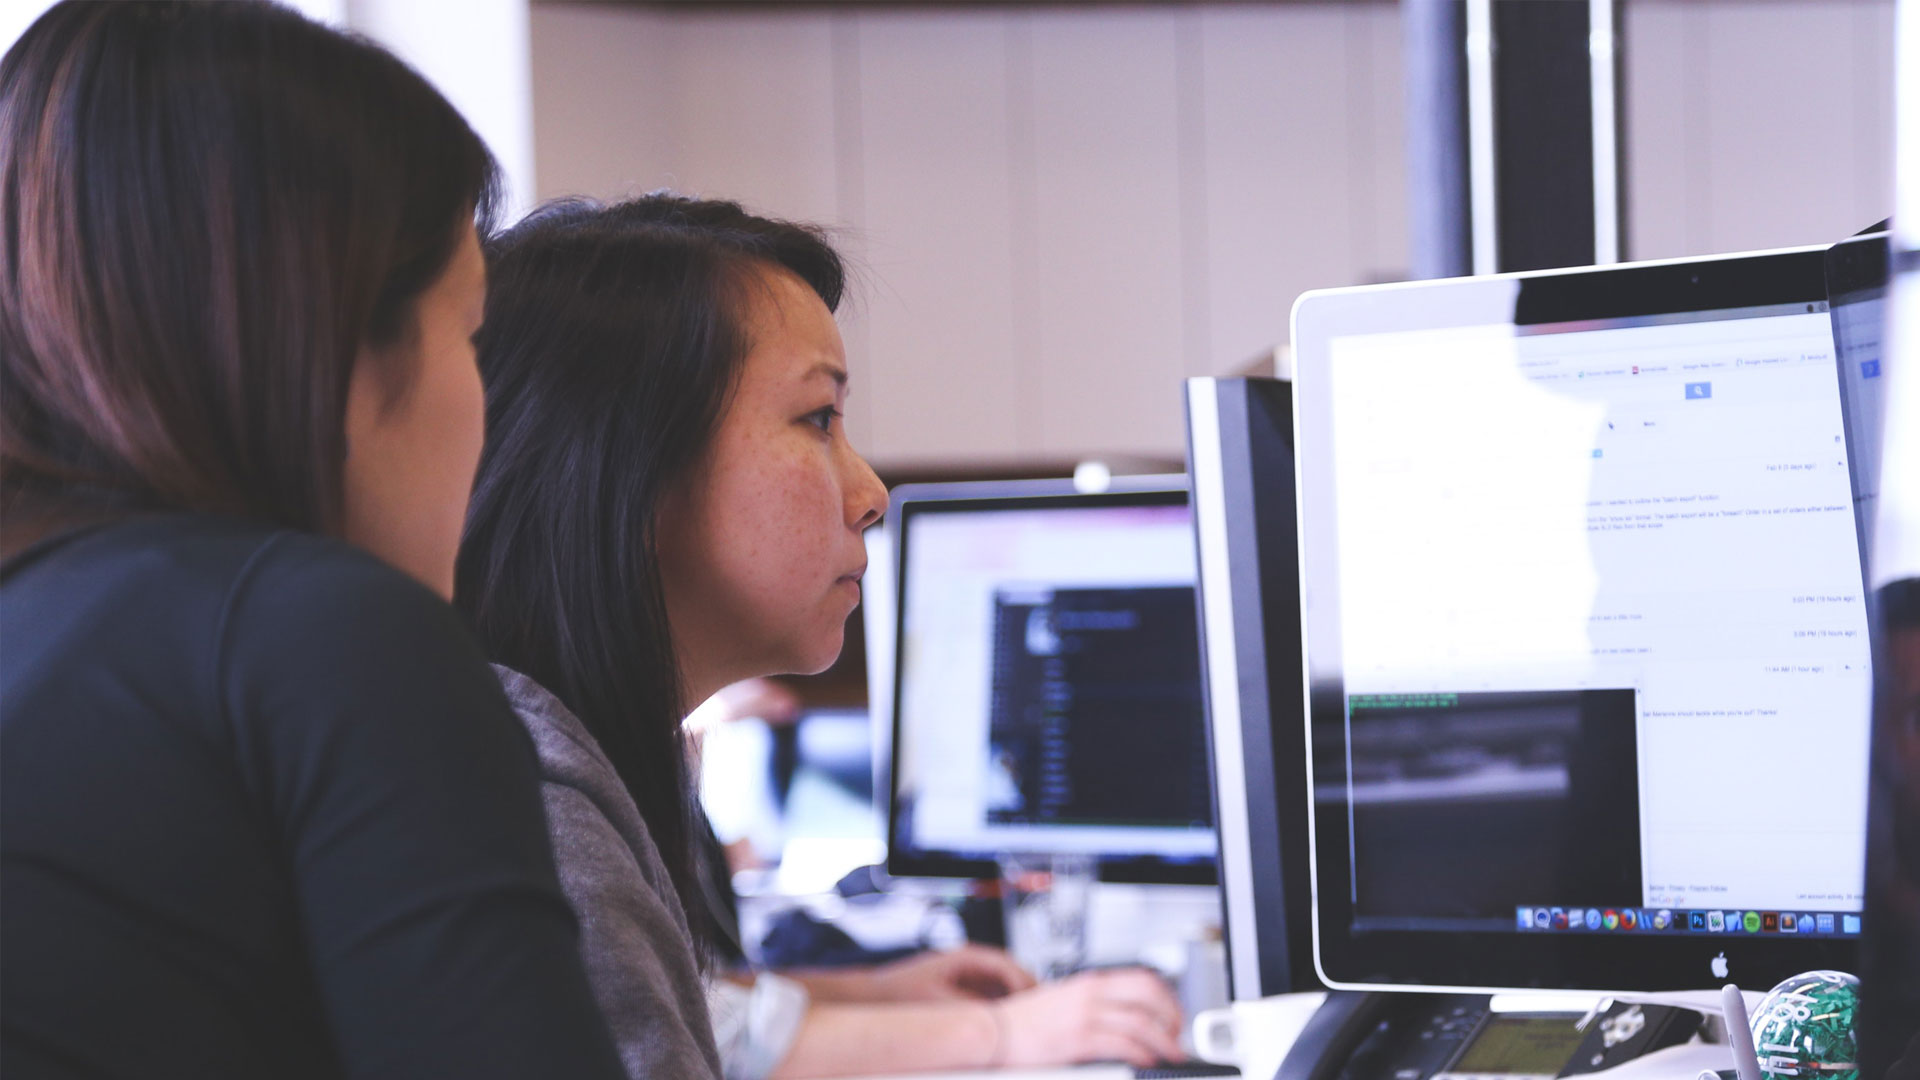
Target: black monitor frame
pixel 1857 283
pixel 909 502
pixel 1863 284
pixel 1240 456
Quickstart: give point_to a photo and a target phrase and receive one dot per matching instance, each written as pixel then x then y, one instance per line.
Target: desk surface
pixel 1280 1018
pixel 1060 1072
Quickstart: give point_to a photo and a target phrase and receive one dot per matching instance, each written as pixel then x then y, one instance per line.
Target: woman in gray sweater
pixel 667 504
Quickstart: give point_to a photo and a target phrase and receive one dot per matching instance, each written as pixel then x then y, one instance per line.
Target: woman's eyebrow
pixel 830 369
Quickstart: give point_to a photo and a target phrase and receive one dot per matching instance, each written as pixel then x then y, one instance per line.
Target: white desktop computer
pixel 1585 628
pixel 1585 636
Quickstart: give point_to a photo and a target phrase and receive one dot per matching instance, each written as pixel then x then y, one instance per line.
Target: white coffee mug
pixel 1254 1035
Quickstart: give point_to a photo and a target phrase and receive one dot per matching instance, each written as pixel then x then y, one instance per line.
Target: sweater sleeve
pixel 756 1026
pixel 627 931
pixel 405 796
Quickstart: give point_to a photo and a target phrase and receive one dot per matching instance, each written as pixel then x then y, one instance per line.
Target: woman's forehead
pixel 795 340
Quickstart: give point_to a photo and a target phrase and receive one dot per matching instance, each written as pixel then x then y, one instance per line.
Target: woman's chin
pixel 822 653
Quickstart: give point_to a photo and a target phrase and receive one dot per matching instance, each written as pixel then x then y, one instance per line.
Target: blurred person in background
pixel 731 814
pixel 667 505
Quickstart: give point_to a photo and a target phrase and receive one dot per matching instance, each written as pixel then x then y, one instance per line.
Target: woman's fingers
pixel 1123 1015
pixel 987 972
pixel 1107 1044
pixel 1143 990
pixel 1141 1027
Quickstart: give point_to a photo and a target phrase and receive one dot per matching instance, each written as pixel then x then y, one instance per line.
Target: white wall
pixel 16 16
pixel 1756 123
pixel 1060 211
pixel 474 51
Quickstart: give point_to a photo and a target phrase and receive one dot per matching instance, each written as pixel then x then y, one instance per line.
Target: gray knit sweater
pixel 633 933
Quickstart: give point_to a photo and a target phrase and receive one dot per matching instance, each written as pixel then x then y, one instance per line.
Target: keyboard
pixel 1173 1070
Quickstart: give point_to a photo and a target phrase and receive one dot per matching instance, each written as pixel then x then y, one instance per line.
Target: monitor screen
pixel 1048 685
pixel 1586 627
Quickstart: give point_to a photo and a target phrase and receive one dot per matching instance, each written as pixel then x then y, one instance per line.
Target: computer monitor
pixel 1586 629
pixel 1240 456
pixel 1047 682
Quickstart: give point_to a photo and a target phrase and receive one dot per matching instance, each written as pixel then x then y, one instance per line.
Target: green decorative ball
pixel 1803 1028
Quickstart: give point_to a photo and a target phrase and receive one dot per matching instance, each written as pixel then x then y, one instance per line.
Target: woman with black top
pixel 266 811
pixel 668 504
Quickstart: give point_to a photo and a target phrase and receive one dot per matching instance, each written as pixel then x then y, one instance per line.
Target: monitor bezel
pixel 1240 457
pixel 1858 271
pixel 1459 960
pixel 910 501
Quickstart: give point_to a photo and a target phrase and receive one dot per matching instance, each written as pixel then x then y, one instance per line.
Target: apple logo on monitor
pixel 1719 966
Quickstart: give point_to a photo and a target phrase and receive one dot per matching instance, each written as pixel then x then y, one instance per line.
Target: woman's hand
pixel 1119 1015
pixel 969 972
pixel 1125 1015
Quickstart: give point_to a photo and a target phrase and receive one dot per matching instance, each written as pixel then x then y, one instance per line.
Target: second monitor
pixel 1048 681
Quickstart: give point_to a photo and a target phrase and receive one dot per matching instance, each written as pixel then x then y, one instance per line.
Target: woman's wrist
pixel 839 986
pixel 997 1042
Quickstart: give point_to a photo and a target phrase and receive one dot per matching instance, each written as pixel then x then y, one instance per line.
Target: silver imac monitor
pixel 1046 680
pixel 1585 628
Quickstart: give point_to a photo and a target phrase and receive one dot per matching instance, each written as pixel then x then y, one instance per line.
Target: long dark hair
pixel 614 336
pixel 206 210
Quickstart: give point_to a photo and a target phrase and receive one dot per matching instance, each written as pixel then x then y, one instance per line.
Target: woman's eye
pixel 823 418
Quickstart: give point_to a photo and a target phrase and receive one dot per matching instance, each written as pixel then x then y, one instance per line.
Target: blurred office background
pixel 1061 210
pixel 1058 211
pixel 1064 209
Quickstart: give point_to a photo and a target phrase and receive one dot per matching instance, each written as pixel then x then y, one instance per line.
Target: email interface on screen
pixel 1600 609
pixel 1049 684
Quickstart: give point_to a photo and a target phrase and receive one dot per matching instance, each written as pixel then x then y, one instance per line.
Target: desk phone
pixel 1408 1036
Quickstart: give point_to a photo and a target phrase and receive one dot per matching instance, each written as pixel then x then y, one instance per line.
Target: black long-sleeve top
pixel 264 811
